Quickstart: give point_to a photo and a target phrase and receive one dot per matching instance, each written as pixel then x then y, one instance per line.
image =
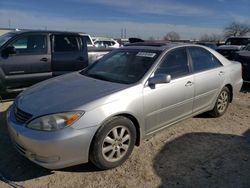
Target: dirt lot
pixel 198 152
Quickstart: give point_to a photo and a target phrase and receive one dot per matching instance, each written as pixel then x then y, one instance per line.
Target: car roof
pixel 42 31
pixel 239 37
pixel 157 46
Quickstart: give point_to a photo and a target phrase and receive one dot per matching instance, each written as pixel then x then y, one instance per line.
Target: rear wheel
pixel 222 103
pixel 113 143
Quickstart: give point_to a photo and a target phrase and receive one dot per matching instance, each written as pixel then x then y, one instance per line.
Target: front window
pixel 4 38
pixel 30 44
pixel 175 64
pixel 122 66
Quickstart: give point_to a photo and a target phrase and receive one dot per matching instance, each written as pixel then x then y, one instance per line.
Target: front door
pixel 168 102
pixel 30 64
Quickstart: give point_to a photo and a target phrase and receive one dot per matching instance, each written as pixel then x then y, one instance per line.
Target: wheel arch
pixel 136 124
pixel 230 87
pixel 131 118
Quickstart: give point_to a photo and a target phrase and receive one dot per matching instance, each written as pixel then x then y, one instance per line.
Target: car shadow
pixel 8 97
pixel 15 167
pixel 205 160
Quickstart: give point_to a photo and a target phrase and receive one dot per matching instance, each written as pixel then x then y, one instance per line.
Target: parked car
pixel 28 57
pixel 243 56
pixel 100 113
pixel 106 43
pixel 209 44
pixel 232 45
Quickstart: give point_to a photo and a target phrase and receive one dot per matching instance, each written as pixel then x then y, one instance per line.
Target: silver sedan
pixel 102 112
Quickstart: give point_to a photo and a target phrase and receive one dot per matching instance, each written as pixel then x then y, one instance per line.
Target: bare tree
pixel 151 38
pixel 172 36
pixel 236 29
pixel 211 37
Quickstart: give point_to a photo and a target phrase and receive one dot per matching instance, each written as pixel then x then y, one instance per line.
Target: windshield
pixel 238 41
pixel 4 38
pixel 122 66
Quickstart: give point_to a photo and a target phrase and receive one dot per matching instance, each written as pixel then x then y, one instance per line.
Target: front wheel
pixel 222 103
pixel 113 143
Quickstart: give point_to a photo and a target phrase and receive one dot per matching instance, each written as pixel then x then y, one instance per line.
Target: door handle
pixel 221 73
pixel 189 83
pixel 44 59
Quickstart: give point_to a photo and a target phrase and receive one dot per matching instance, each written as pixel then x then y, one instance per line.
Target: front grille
pixel 21 116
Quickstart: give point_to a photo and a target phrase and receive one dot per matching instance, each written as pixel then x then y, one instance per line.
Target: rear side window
pixel 202 59
pixel 30 44
pixel 66 43
pixel 175 64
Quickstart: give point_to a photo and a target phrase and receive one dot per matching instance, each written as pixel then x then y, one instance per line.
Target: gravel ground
pixel 198 152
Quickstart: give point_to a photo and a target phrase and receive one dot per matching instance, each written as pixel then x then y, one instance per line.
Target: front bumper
pixel 52 150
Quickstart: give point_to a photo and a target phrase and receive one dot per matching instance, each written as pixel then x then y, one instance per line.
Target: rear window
pixel 66 43
pixel 202 59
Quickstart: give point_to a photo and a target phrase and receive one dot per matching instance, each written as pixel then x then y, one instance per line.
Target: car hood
pixel 230 47
pixel 65 93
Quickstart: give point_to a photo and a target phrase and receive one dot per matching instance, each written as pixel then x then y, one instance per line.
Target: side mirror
pixel 159 79
pixel 10 50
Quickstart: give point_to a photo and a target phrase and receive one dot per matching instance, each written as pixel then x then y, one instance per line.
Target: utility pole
pixel 122 33
pixel 9 21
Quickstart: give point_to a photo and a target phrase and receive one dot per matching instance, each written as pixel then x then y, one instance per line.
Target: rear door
pixel 208 77
pixel 67 53
pixel 30 64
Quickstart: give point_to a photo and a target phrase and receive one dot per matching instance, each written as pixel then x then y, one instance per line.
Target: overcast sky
pixel 141 18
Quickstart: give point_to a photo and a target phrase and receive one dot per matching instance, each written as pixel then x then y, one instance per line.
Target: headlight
pixel 54 122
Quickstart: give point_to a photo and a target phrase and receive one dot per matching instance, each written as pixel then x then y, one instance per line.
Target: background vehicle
pixel 28 57
pixel 243 56
pixel 209 44
pixel 131 93
pixel 232 45
pixel 106 43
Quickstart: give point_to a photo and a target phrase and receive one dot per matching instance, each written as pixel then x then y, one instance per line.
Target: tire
pixel 113 143
pixel 222 103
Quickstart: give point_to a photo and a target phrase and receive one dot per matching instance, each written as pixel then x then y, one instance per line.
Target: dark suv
pixel 243 56
pixel 232 45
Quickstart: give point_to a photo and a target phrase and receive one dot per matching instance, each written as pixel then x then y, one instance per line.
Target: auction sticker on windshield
pixel 146 54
